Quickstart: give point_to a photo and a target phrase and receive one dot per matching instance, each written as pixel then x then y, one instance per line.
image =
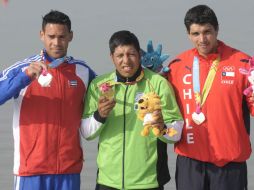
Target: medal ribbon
pixel 55 63
pixel 139 78
pixel 201 98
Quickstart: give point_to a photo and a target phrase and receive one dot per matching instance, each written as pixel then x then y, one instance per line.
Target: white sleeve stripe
pixel 16 65
pixel 16 182
pixel 83 73
pixel 178 126
pixel 25 61
pixel 89 127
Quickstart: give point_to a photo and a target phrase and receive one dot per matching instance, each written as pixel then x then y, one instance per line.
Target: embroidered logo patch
pixel 228 75
pixel 73 83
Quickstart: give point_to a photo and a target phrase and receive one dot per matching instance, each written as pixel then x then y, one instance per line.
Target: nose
pixel 125 58
pixel 56 41
pixel 202 38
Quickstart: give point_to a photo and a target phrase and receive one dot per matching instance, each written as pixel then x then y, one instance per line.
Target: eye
pixel 119 56
pixel 140 101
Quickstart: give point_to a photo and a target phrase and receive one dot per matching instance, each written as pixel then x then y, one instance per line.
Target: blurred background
pixel 93 22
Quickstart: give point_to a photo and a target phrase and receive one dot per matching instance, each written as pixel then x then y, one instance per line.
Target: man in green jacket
pixel 126 160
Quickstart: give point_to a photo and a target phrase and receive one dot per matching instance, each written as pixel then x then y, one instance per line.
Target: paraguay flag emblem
pixel 73 83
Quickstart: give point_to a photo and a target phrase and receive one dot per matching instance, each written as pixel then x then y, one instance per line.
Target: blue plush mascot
pixel 153 60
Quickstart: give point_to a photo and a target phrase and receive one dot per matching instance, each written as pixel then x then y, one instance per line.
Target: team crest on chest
pixel 228 75
pixel 72 83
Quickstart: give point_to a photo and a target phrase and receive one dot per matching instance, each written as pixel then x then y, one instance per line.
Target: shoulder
pixel 234 54
pixel 72 60
pixel 158 84
pixel 184 57
pixel 81 64
pixel 154 78
pixel 108 77
pixel 152 75
pixel 29 60
pixel 32 58
pixel 21 65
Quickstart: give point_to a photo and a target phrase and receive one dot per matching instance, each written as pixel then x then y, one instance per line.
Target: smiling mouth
pixel 203 45
pixel 57 50
pixel 150 67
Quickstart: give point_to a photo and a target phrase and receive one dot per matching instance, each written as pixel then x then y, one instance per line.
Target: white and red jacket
pixel 46 120
pixel 223 137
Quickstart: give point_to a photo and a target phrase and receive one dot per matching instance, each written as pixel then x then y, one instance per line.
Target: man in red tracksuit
pixel 48 90
pixel 209 89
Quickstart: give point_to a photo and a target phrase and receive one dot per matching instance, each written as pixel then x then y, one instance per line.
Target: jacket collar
pixel 131 80
pixel 49 59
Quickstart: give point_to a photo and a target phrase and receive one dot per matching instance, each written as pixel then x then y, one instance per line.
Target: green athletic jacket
pixel 126 160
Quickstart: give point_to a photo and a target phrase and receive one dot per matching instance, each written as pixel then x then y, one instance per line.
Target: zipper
pixel 124 122
pixel 60 118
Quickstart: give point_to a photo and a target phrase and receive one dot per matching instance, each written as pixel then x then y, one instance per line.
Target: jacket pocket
pixel 34 143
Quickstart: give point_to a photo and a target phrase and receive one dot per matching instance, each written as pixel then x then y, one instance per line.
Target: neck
pixel 133 78
pixel 49 58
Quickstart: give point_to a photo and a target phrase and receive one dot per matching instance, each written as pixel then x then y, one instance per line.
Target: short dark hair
pixel 200 14
pixel 56 17
pixel 123 37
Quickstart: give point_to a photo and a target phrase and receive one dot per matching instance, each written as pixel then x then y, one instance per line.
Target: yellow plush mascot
pixel 147 104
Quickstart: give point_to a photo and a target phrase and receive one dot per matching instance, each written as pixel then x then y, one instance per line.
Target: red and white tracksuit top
pixel 46 120
pixel 223 136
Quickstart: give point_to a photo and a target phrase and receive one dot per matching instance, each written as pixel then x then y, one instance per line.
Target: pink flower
pixel 105 87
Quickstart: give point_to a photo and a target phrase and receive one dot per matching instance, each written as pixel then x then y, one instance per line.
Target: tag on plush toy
pixel 45 78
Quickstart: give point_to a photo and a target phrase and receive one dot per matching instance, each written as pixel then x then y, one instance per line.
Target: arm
pixel 171 113
pixel 17 77
pixel 90 127
pixel 12 80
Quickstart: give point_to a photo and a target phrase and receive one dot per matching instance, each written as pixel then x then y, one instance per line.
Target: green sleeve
pixel 170 108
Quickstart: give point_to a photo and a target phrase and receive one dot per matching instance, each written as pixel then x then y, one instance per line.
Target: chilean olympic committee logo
pixel 228 75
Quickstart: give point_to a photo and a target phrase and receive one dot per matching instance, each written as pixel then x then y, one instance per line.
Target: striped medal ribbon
pixel 198 117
